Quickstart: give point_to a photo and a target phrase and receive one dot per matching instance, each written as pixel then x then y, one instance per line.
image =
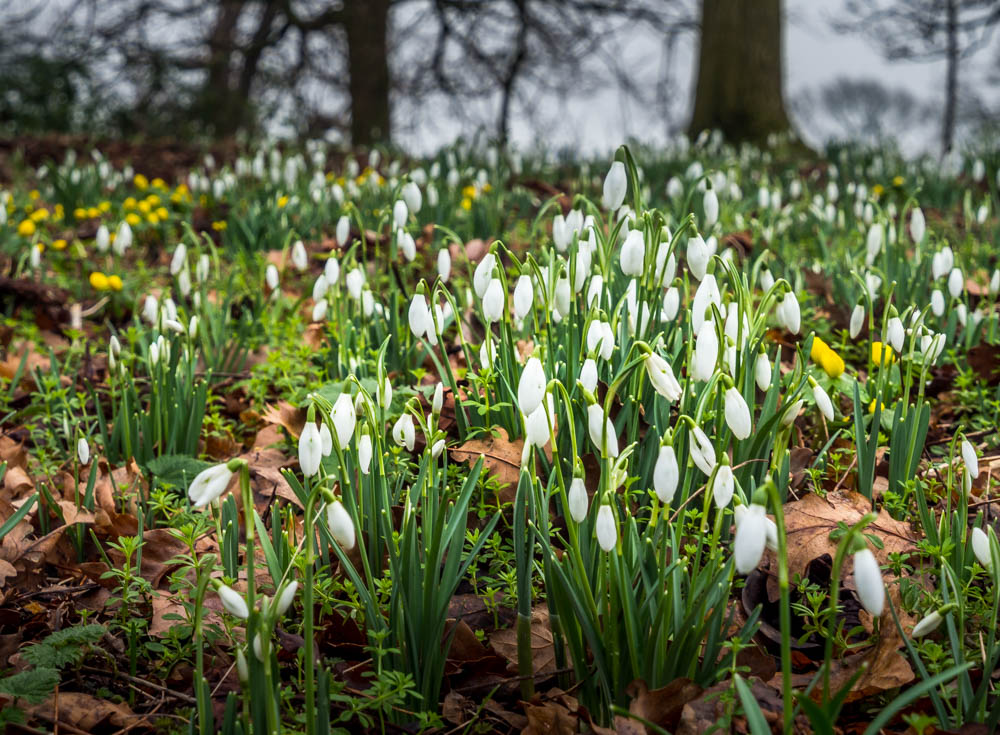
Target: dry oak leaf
pixel 84 712
pixel 543 652
pixel 809 521
pixel 286 415
pixel 501 457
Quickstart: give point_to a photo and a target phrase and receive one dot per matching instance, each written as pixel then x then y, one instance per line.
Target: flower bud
pixel 868 582
pixel 310 449
pixel 340 524
pixel 615 186
pixel 607 534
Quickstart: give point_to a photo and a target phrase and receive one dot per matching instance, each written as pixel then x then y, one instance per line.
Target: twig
pixel 141 682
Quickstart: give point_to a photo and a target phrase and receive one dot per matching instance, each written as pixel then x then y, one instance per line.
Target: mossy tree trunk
pixel 366 23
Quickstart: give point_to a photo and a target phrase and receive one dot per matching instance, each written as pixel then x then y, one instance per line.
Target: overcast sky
pixel 814 55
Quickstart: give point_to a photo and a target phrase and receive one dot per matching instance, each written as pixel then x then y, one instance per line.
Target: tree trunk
pixel 739 88
pixel 366 24
pixel 513 71
pixel 951 78
pixel 219 105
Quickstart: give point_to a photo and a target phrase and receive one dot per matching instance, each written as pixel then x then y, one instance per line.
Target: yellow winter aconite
pixel 133 219
pixel 26 228
pixel 99 281
pixel 882 353
pixel 826 358
pixel 115 283
pixel 59 244
pixel 282 202
pixel 141 182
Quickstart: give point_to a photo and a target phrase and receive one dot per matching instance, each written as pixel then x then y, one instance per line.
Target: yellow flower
pixel 152 218
pixel 877 190
pixel 39 214
pixel 99 281
pixel 871 406
pixel 141 182
pixel 26 228
pixel 133 219
pixel 80 213
pixel 145 207
pixel 282 201
pixel 93 212
pixel 159 183
pixel 104 206
pixel 219 226
pixel 59 244
pixel 153 199
pixel 466 204
pixel 40 246
pixel 115 283
pixel 469 192
pixel 34 194
pixel 129 203
pixel 162 213
pixel 897 181
pixel 830 361
pixel 880 351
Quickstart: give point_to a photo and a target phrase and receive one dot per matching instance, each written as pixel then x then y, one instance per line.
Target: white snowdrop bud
pixel 632 254
pixel 340 524
pixel 873 244
pixel 493 301
pixel 103 239
pixel 310 449
pixel 300 259
pixel 343 231
pixel 524 295
pixel 82 450
pixel 444 264
pixel 344 419
pixel 666 474
pixel 937 302
pixel 702 451
pixel 762 371
pixel 319 310
pixel 661 375
pixel 399 213
pixel 123 238
pixel 788 313
pixel 531 386
pixel 868 582
pixel 857 321
pixel 209 484
pixel 737 414
pixel 412 196
pixel 287 595
pixel 956 282
pixel 698 256
pixel 918 225
pixel 928 624
pixel 671 304
pixel 365 453
pixel 607 534
pixel 483 275
pixel 325 439
pixel 766 280
pixel 823 402
pixel 407 245
pixel 615 186
pixel 981 548
pixel 710 205
pixel 178 259
pixel 724 486
pixel 419 316
pixel 601 428
pixel 233 602
pixel 271 276
pixel 751 539
pixel 706 352
pixel 970 458
pixel 895 333
pixel 588 374
pixel 577 500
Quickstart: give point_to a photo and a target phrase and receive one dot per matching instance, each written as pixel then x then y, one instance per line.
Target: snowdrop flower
pixel 310 449
pixel 233 602
pixel 577 500
pixel 724 486
pixel 666 474
pixel 601 428
pixel 632 254
pixel 300 259
pixel 319 310
pixel 412 196
pixel 792 412
pixel 343 231
pixel 661 375
pixel 607 534
pixel 178 259
pixel 285 598
pixel 355 281
pixel 710 204
pixel 365 453
pixel 705 295
pixel 937 302
pixel 325 439
pixel 437 448
pixel 123 238
pixel 82 450
pixel 103 239
pixel 419 316
pixel 762 371
pixel 483 275
pixel 615 185
pixel 403 432
pixel 918 225
pixel 823 402
pixel 702 451
pixel 209 484
pixel 344 419
pixel 698 256
pixel 538 425
pixel 868 582
pixel 942 262
pixel 340 524
pixel 671 304
pixel 874 243
pixel 766 279
pixel 978 170
pixel 271 276
pixel 524 295
pixel 788 313
pixel 595 291
pixel 493 301
pixel 444 264
pixel 981 548
pixel 928 624
pixel 675 189
pixel 588 374
pixel 857 320
pixel 895 333
pixel 751 539
pixel 531 386
pixel 737 414
pixel 956 283
pixel 968 457
pixel 706 352
pixel 600 339
pixel 407 246
pixel 995 282
pixel 383 393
